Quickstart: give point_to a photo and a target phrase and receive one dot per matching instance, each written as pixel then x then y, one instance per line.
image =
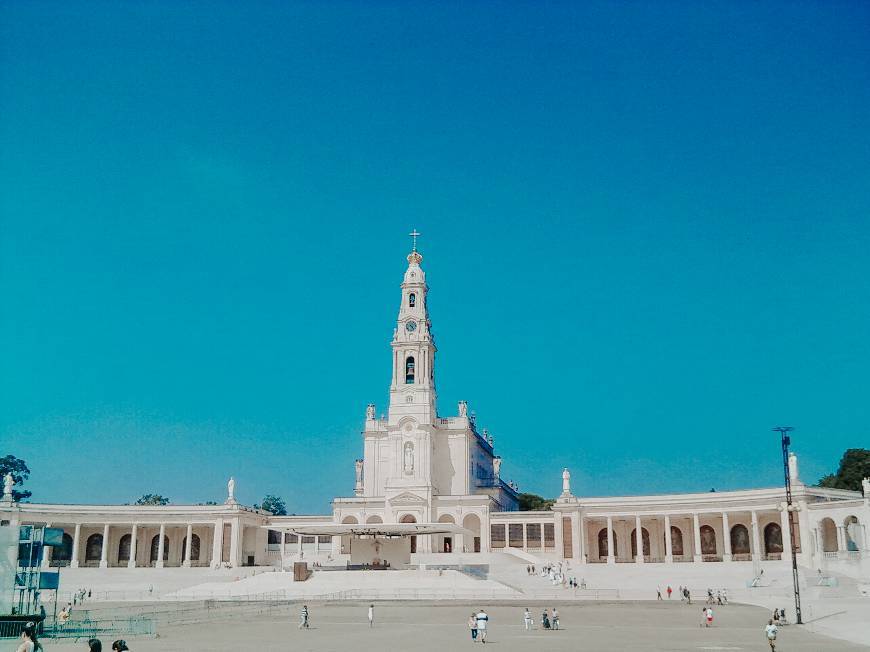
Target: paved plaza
pixel 438 627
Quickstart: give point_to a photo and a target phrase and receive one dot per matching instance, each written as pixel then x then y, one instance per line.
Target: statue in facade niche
pixel 496 466
pixel 358 468
pixel 370 412
pixel 409 458
pixel 463 408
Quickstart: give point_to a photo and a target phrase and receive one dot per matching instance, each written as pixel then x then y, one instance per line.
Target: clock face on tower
pixel 411 326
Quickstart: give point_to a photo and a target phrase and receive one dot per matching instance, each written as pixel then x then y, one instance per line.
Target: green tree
pixel 20 473
pixel 273 504
pixel 534 503
pixel 152 499
pixel 854 465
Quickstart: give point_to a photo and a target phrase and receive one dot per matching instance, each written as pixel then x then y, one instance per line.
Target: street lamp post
pixel 786 440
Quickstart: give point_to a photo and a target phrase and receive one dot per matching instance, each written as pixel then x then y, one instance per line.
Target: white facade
pixel 420 467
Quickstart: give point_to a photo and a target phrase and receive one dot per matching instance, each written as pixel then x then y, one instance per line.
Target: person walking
pixel 28 639
pixel 545 619
pixel 658 593
pixel 472 625
pixel 670 590
pixel 482 620
pixel 770 632
pixel 303 623
pixel 555 618
pixel 371 615
pixel 527 619
pixel 709 616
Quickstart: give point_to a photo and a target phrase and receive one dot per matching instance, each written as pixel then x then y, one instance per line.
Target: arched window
pixel 829 535
pixel 409 370
pixel 708 540
pixel 644 536
pixel 124 548
pixel 739 540
pixel 155 547
pixel 64 552
pixel 94 547
pixel 676 541
pixel 772 538
pixel 602 544
pixel 412 300
pixel 853 530
pixel 194 544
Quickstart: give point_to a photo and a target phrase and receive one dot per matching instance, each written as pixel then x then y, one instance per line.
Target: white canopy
pixel 370 529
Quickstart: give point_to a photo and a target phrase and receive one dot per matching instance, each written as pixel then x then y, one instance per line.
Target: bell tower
pixel 412 391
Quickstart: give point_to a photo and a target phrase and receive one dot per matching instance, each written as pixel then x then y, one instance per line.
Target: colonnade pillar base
pixel 611 560
pixel 697 559
pixel 726 557
pixel 74 563
pixel 158 563
pixel 131 564
pixel 104 563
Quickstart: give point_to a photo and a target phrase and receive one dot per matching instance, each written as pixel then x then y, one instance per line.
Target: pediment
pixel 407 498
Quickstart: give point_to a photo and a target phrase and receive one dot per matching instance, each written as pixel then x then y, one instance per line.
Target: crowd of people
pixel 556 575
pixel 29 642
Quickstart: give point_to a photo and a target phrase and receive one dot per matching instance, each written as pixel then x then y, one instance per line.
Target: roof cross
pixel 414 235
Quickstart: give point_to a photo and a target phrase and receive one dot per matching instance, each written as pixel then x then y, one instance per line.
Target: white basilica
pixel 429 487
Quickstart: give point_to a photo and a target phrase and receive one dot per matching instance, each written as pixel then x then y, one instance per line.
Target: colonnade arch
pixel 644 535
pixel 854 533
pixel 94 547
pixel 829 535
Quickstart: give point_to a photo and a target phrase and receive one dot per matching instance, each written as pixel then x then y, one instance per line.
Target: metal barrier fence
pixel 87 628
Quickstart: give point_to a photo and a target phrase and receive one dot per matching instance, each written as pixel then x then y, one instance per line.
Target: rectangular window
pixel 496 535
pixel 290 538
pixel 549 535
pixel 533 535
pixel 324 538
pixel 515 535
pixel 307 539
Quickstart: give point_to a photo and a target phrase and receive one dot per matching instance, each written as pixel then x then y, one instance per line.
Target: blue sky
pixel 646 232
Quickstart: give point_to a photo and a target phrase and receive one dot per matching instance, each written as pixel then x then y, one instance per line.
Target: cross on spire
pixel 414 235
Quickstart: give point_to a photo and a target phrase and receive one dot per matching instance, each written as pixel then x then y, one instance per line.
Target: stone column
pixel 669 545
pixel 786 535
pixel 299 546
pixel 841 541
pixel 284 547
pixel 217 544
pixel 638 540
pixel 104 549
pixel 134 536
pixel 611 558
pixel 726 537
pixel 696 526
pixel 235 543
pixel 160 545
pixel 47 552
pixel 525 537
pixel 756 544
pixel 577 537
pixel 74 562
pixel 187 541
